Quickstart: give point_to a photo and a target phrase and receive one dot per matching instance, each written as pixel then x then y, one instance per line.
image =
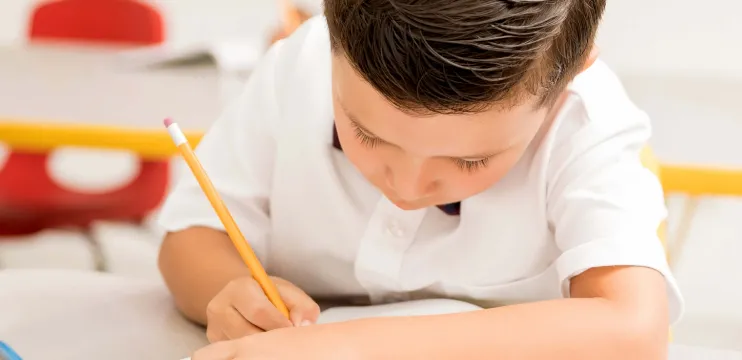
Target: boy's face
pixel 421 161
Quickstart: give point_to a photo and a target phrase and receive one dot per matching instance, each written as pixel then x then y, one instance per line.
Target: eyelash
pixel 368 141
pixel 464 165
pixel 471 166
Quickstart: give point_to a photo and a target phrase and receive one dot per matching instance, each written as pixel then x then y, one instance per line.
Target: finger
pixel 215 334
pixel 303 310
pixel 223 350
pixel 215 315
pixel 236 326
pixel 253 304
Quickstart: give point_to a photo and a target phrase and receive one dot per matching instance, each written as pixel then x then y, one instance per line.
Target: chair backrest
pixel 30 200
pixel 109 21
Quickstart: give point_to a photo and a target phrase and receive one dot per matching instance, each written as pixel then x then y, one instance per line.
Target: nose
pixel 409 180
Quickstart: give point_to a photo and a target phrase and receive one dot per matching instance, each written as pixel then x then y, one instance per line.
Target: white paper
pixel 408 308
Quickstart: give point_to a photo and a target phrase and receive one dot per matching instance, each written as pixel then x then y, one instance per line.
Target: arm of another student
pixel 197 258
pixel 619 295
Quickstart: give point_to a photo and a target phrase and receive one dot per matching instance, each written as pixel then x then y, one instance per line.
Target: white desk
pixel 124 318
pixel 62 83
pixel 52 95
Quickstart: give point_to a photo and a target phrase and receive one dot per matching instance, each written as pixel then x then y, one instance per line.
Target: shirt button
pixel 395 230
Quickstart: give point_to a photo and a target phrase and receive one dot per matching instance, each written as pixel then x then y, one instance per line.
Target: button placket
pixel 389 234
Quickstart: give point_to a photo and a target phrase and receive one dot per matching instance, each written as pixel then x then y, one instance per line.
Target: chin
pixel 414 205
pixel 408 206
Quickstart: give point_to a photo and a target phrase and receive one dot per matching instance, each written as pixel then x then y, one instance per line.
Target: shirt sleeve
pixel 604 206
pixel 237 153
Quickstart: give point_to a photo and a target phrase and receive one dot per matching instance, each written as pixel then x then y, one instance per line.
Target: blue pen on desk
pixel 6 353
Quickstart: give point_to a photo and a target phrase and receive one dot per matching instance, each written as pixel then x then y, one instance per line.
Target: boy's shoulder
pixel 303 78
pixel 597 110
pixel 597 128
pixel 604 100
pixel 306 52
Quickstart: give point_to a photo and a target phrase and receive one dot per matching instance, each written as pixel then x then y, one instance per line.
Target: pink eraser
pixel 168 122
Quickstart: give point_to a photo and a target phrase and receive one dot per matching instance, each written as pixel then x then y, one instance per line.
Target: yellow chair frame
pixel 694 182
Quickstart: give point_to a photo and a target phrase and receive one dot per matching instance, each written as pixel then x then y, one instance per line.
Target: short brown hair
pixel 456 56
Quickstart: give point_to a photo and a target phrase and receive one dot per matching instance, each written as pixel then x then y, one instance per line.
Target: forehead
pixel 452 135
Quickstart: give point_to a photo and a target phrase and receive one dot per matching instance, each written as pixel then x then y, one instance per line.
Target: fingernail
pixel 305 323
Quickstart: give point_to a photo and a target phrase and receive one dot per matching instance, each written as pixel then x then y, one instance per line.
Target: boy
pixel 398 150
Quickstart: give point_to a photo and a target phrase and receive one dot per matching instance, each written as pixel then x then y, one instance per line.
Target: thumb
pixel 302 309
pixel 304 315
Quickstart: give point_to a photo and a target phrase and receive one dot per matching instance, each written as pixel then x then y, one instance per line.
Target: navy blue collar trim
pixel 453 209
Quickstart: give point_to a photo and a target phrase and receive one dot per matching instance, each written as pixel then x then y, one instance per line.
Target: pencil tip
pixel 168 122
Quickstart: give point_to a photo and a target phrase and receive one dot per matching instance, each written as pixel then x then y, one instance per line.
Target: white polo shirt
pixel 579 198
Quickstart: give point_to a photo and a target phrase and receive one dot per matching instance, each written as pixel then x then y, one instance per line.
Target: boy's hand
pixel 242 308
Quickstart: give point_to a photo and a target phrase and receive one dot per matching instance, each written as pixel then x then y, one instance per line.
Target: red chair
pixel 30 200
pixel 110 21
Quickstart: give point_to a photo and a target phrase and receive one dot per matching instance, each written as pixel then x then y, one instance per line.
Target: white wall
pixel 638 36
pixel 13 14
pixel 686 37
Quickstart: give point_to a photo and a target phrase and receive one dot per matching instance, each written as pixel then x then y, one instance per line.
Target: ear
pixel 594 53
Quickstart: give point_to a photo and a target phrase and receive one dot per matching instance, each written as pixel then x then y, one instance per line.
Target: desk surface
pixel 91 85
pixel 89 303
pixel 53 95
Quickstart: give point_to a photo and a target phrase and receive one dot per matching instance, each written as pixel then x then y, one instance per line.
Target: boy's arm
pixel 616 313
pixel 196 264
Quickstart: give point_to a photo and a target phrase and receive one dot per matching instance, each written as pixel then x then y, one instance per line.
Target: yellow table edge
pixel 42 137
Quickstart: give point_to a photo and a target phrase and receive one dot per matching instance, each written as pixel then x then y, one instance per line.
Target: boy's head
pixel 435 100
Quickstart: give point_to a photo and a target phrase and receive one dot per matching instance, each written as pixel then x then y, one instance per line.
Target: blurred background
pixel 80 125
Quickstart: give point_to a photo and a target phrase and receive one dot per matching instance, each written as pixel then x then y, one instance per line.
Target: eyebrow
pixel 368 132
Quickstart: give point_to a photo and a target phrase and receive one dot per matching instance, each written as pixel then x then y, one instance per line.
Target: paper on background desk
pixel 239 55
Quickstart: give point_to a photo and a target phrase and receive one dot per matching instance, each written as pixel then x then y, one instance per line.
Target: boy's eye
pixel 471 165
pixel 365 139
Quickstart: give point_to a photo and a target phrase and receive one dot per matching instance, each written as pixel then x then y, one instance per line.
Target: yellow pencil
pixel 239 241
